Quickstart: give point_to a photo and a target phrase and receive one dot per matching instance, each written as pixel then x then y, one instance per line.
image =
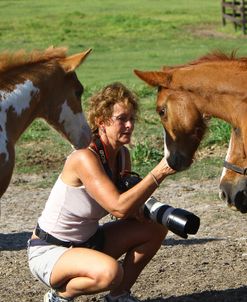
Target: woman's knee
pixel 110 275
pixel 157 232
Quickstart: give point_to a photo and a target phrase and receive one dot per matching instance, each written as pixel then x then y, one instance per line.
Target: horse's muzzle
pixel 84 139
pixel 235 194
pixel 178 161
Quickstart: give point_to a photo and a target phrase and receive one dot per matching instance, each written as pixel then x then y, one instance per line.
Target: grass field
pixel 124 35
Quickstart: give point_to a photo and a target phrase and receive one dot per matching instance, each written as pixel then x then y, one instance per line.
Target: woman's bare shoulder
pixel 81 156
pixel 78 165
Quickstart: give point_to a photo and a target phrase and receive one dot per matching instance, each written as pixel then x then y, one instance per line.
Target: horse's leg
pixel 6 170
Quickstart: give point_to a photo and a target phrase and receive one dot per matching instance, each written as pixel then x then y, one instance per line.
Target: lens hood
pixel 179 221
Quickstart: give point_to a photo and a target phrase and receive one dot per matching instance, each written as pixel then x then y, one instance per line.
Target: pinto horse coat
pixel 39 85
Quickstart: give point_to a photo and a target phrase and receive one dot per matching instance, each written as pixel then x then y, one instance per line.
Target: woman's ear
pixel 101 125
pixel 98 122
pixel 102 129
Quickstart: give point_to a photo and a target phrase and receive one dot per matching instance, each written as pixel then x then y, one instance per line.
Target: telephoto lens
pixel 179 221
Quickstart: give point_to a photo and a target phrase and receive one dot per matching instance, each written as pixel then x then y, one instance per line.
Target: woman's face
pixel 121 124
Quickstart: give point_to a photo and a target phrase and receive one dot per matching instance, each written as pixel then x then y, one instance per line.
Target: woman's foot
pixel 51 296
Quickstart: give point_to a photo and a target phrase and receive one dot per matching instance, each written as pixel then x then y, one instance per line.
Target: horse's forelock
pixel 10 60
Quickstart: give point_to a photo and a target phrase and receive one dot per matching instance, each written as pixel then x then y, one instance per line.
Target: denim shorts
pixel 42 256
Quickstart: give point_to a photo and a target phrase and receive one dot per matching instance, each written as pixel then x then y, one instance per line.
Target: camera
pixel 179 221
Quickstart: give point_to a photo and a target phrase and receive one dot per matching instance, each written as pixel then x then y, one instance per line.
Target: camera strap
pixel 100 149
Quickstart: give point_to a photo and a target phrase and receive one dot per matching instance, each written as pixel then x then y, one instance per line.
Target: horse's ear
pixel 70 63
pixel 153 78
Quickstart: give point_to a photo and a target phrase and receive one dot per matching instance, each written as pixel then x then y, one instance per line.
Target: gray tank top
pixel 70 213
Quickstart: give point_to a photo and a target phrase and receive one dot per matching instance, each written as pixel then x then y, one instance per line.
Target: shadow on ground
pixel 14 241
pixel 228 295
pixel 194 241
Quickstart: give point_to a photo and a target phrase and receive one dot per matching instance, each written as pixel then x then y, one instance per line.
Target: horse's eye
pixel 237 131
pixel 79 92
pixel 159 88
pixel 163 112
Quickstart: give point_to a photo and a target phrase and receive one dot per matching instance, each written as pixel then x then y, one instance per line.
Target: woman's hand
pixel 160 172
pixel 165 168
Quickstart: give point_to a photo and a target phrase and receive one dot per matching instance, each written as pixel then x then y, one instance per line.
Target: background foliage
pixel 124 35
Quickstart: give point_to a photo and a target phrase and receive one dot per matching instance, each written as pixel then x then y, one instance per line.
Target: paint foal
pixel 39 85
pixel 214 85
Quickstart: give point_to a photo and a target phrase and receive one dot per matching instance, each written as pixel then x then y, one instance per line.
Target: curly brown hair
pixel 101 104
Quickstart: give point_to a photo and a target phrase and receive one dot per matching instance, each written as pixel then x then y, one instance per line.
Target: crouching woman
pixel 70 251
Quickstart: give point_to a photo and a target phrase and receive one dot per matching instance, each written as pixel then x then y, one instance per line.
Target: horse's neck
pixel 230 108
pixel 17 109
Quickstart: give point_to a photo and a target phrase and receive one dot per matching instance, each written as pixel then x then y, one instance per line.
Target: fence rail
pixel 236 12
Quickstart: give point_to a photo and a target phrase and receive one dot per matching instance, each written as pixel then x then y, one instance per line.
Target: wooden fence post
pixel 235 11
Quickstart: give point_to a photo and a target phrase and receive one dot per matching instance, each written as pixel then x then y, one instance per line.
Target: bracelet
pixel 154 179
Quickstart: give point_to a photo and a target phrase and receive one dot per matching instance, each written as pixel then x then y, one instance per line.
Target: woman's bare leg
pixel 140 241
pixel 81 271
pixel 84 271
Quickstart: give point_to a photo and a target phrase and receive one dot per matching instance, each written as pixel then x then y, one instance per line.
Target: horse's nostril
pixel 241 201
pixel 245 193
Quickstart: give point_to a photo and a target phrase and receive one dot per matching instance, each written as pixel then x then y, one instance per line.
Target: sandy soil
pixel 210 266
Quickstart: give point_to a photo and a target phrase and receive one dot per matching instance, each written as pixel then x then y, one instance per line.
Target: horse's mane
pixel 214 56
pixel 10 60
pixel 218 55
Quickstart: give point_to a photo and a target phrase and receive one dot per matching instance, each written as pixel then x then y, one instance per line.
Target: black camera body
pixel 179 221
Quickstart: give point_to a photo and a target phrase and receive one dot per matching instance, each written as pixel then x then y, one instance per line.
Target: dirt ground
pixel 210 266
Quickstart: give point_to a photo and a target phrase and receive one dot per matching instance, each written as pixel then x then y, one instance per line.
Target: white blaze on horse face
pixel 17 100
pixel 227 159
pixel 75 126
pixel 166 151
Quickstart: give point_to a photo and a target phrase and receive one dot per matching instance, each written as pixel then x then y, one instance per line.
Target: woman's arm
pixel 83 166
